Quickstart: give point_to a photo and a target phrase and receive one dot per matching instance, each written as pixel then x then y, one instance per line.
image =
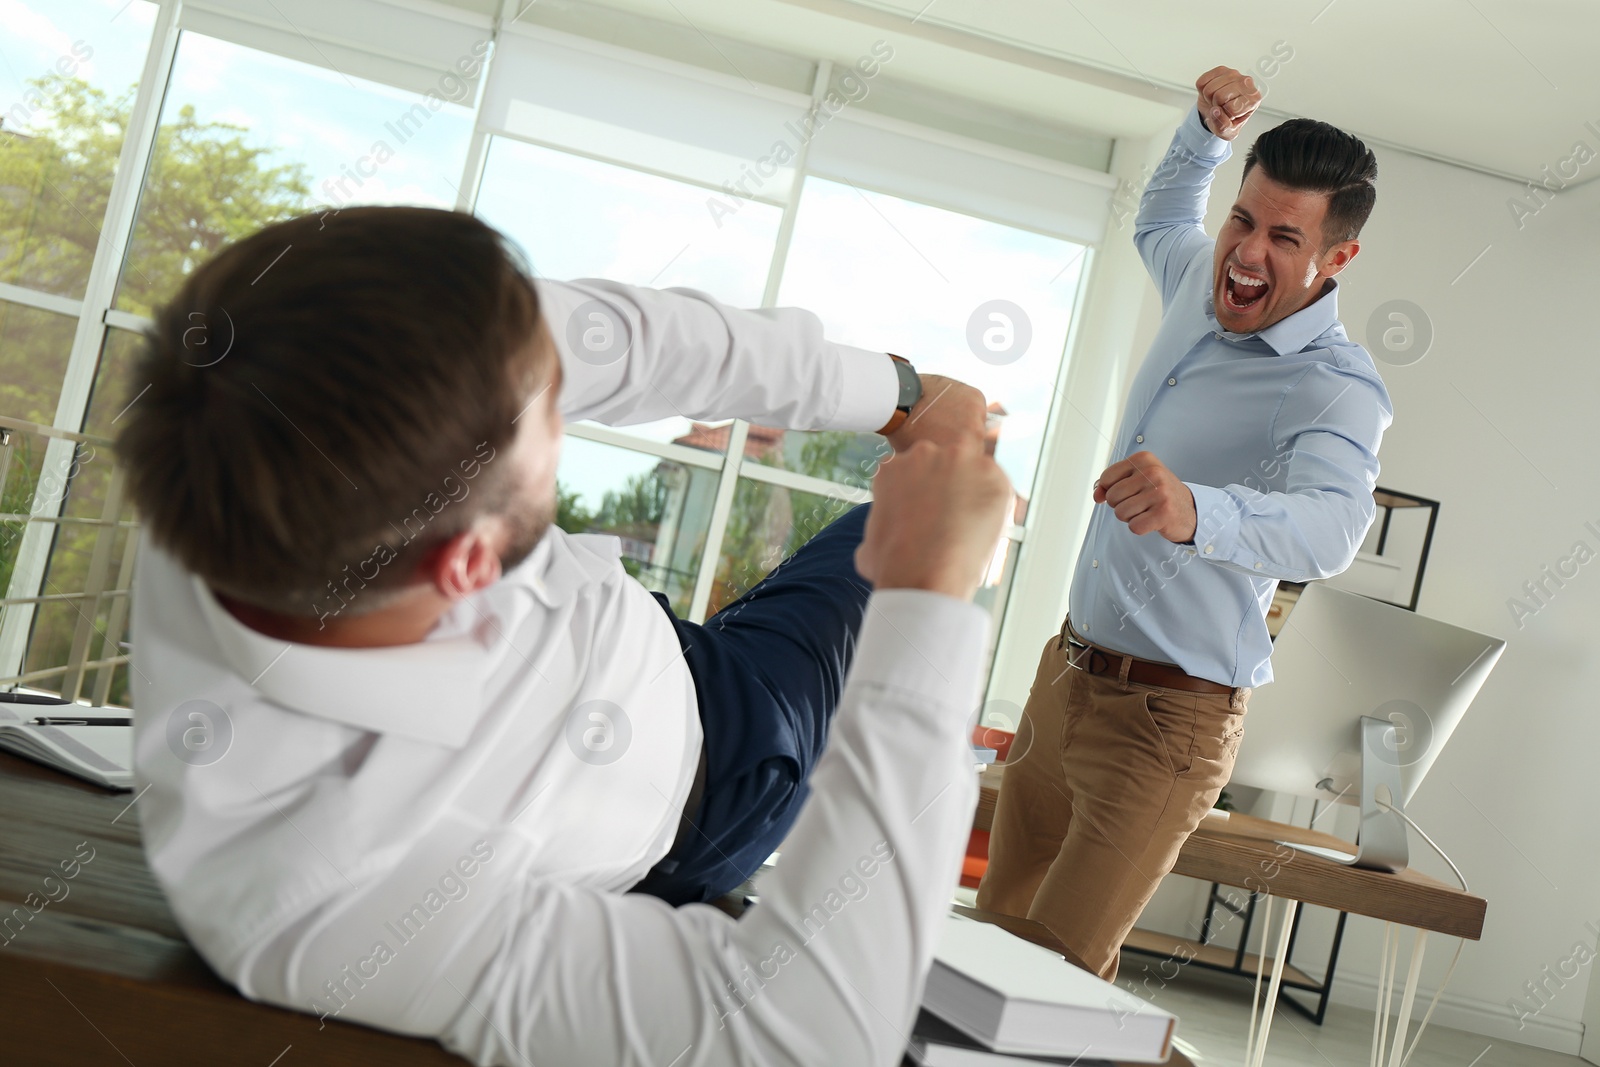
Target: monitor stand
pixel 1382 840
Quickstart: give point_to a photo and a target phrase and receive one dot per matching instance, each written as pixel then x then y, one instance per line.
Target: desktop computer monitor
pixel 1364 698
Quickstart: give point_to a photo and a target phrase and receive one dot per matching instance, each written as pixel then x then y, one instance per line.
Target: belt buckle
pixel 1084 659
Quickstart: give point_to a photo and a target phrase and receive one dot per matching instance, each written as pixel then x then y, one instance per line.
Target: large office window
pixel 244 137
pixel 576 217
pixel 71 67
pixel 962 296
pixel 247 138
pixel 597 162
pixel 959 296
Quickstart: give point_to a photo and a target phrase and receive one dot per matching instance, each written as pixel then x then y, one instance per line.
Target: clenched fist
pixel 1148 497
pixel 937 513
pixel 1227 99
pixel 949 411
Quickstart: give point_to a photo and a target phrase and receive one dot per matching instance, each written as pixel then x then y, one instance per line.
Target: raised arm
pixel 1169 230
pixel 631 355
pixel 827 969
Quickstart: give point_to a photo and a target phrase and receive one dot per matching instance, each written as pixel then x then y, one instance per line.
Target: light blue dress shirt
pixel 1276 433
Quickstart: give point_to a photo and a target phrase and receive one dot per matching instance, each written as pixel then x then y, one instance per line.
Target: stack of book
pixel 995 1000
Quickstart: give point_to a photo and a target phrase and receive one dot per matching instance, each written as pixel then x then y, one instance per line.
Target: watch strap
pixel 901 412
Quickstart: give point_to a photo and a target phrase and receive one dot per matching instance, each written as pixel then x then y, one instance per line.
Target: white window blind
pixel 949 171
pixel 414 49
pixel 640 110
pixel 659 115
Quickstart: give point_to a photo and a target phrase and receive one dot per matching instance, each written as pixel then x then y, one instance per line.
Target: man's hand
pixel 949 411
pixel 1227 99
pixel 937 512
pixel 1148 497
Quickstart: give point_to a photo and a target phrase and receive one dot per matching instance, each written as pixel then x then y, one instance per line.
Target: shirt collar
pixel 1295 332
pixel 431 691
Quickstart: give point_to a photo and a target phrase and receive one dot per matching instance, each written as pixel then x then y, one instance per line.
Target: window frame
pixel 1042 527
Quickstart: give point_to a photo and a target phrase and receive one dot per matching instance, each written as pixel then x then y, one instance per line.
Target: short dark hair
pixel 321 394
pixel 1319 158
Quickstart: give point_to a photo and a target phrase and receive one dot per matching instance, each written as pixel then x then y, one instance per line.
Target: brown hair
pixel 325 401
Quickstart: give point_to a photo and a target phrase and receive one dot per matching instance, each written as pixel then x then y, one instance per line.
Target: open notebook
pixel 99 754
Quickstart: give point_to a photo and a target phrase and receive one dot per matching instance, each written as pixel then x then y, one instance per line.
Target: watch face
pixel 910 385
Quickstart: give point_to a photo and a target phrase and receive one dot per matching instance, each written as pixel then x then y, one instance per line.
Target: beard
pixel 528 521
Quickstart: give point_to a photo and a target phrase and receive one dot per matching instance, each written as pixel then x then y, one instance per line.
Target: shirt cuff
pixel 1201 142
pixel 929 644
pixel 871 390
pixel 1217 521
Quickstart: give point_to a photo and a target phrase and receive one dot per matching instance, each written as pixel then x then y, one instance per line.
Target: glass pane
pixel 766 525
pixel 248 138
pixel 927 284
pixel 832 455
pixel 659 509
pixel 21 468
pixel 769 523
pixel 80 482
pixel 71 68
pixel 114 389
pixel 996 585
pixel 55 623
pixel 34 346
pixel 50 644
pixel 83 481
pixel 579 218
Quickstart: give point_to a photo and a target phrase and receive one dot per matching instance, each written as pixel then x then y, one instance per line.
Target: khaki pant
pixel 1106 781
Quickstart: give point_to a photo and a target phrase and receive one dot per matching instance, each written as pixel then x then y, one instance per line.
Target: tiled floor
pixel 1214 1013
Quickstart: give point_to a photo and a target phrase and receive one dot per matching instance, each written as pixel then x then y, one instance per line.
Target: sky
pixel 881 272
pixel 37 34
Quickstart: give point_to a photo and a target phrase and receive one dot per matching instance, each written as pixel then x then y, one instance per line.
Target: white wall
pixel 1498 422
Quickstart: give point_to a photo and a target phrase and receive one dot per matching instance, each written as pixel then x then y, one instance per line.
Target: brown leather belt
pixel 1097 660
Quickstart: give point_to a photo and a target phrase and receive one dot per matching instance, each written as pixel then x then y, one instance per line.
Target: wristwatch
pixel 910 393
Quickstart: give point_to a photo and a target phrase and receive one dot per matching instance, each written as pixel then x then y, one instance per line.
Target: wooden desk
pixel 103 974
pixel 1243 851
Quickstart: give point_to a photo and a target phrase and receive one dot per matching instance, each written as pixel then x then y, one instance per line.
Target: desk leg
pixel 1408 999
pixel 1255 995
pixel 1381 1014
pixel 1279 962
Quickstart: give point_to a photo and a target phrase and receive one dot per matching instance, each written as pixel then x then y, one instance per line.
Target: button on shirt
pixel 435 838
pixel 1276 433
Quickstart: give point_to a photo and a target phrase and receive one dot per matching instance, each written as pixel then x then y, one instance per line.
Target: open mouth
pixel 1241 291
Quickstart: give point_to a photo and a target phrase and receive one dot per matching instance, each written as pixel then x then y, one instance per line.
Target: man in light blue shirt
pixel 1250 439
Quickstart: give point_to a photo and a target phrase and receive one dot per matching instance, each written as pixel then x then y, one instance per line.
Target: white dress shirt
pixel 430 840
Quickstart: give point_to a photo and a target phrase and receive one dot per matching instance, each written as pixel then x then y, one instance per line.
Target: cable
pixel 1460 944
pixel 1459 877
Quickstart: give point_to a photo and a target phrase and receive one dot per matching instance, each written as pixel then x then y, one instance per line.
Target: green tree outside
pixel 207 186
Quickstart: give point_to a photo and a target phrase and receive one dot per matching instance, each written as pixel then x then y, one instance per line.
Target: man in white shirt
pixel 376 669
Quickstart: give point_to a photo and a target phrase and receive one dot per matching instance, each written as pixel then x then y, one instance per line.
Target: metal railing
pixel 98 592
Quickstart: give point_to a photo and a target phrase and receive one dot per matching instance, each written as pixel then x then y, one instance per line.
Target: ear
pixel 1338 257
pixel 467 562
